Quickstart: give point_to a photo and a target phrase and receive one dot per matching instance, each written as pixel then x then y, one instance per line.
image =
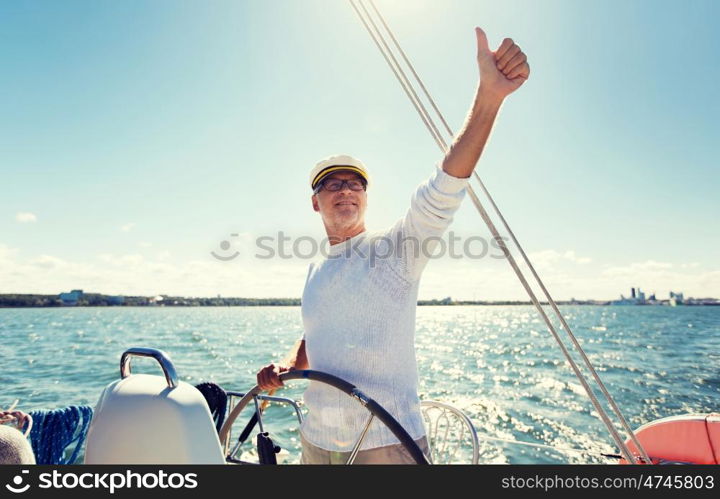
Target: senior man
pixel 359 303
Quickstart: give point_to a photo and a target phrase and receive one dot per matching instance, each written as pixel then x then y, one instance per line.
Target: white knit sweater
pixel 358 310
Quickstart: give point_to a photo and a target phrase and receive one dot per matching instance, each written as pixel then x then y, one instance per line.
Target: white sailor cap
pixel 338 163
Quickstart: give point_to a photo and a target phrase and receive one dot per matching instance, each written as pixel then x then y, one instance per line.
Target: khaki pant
pixel 391 454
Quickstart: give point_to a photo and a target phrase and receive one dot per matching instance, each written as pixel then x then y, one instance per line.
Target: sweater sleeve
pixel 431 211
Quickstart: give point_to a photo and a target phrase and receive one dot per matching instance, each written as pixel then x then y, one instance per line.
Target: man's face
pixel 344 208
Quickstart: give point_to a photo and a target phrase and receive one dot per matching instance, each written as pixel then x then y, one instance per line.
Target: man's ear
pixel 316 206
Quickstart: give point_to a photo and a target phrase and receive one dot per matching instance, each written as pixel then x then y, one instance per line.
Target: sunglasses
pixel 334 185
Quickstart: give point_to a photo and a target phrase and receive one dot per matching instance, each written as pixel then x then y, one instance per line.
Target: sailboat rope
pixel 548 447
pixel 391 60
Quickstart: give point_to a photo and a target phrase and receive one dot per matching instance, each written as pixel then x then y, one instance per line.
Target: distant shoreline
pixel 100 300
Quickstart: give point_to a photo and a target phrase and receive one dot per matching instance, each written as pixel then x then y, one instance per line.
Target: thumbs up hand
pixel 503 71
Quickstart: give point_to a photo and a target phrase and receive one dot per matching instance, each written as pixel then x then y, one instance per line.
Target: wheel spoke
pixel 356 449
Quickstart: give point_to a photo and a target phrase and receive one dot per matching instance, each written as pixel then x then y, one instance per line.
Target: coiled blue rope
pixel 54 431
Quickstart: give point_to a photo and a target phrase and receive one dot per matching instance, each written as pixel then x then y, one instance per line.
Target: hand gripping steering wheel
pixel 375 410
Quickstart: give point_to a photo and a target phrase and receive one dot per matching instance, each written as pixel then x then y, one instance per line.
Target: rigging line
pixel 568 331
pixel 511 260
pixel 412 68
pixel 551 301
pixel 541 446
pixel 399 74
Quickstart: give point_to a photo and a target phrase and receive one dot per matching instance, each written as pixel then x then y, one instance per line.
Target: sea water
pixel 498 364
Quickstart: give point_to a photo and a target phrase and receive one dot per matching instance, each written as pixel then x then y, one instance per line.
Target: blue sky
pixel 136 136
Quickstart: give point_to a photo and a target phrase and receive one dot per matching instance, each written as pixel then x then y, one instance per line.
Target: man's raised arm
pixel 501 73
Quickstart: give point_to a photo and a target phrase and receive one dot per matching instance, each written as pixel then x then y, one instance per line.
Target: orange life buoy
pixel 691 439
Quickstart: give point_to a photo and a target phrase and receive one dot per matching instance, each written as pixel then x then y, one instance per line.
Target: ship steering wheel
pixel 375 410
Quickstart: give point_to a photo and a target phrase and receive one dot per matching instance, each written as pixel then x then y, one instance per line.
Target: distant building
pixel 115 300
pixel 702 301
pixel 71 299
pixel 676 299
pixel 156 301
pixel 637 297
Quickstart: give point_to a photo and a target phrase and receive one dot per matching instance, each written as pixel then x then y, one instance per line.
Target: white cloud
pixel 566 276
pixel 7 252
pixel 548 257
pixel 127 227
pixel 662 277
pixel 638 268
pixel 485 279
pixel 48 262
pixel 133 274
pixel 26 217
pixel 243 236
pixel 162 255
pixel 121 260
pixel 582 260
pixel 7 256
pixel 710 281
